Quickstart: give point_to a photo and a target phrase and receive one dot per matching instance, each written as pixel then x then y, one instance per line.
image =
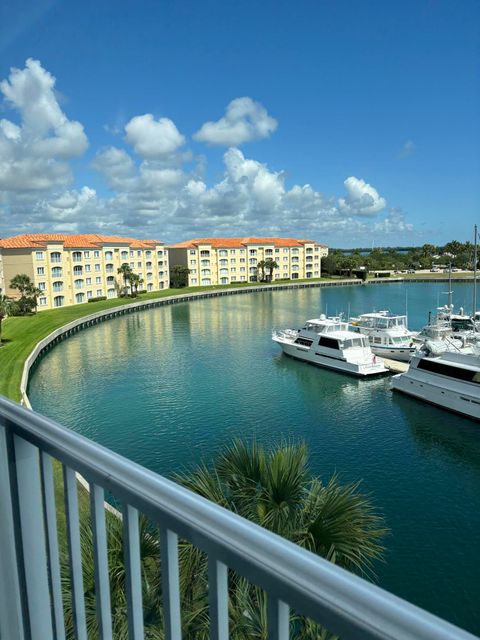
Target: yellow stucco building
pixel 226 260
pixel 71 269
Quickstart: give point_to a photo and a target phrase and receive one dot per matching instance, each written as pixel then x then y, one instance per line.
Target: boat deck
pixel 395 366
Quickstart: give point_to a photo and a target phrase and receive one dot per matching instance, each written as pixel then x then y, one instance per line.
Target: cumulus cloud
pixel 153 138
pixel 362 198
pixel 34 155
pixel 244 120
pixel 152 193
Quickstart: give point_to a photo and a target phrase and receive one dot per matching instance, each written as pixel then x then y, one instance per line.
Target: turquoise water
pixel 170 386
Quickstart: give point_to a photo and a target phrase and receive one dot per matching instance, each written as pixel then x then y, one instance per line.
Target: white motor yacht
pixel 387 333
pixel 449 379
pixel 327 342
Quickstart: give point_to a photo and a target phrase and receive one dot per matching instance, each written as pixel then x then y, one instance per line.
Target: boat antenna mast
pixel 475 273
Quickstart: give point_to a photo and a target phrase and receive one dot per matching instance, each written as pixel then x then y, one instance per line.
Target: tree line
pixel 459 254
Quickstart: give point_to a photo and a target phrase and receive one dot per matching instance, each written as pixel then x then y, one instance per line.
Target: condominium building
pixel 71 269
pixel 226 260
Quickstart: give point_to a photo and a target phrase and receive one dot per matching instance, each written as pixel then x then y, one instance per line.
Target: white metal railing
pixel 30 585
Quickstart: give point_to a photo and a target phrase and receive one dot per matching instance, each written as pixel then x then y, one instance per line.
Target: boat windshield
pixel 326 327
pixel 350 343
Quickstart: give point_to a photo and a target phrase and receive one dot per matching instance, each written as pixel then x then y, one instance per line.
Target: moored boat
pixel 448 379
pixel 387 334
pixel 328 342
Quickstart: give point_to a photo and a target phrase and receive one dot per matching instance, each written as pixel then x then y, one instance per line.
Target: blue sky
pixel 348 122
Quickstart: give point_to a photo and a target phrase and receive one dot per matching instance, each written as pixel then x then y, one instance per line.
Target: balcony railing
pixel 30 584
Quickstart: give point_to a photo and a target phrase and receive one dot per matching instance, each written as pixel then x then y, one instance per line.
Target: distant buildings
pixel 71 269
pixel 214 261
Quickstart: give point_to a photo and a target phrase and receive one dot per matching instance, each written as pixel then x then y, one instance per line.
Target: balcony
pixel 30 585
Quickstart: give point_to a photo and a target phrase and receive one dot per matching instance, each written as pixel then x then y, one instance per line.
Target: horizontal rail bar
pixel 344 603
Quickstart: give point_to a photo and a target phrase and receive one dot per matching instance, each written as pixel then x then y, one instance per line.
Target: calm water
pixel 171 386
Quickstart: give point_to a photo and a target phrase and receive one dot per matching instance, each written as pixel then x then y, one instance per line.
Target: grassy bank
pixel 21 334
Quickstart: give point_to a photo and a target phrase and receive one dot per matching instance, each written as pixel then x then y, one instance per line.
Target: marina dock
pixel 395 366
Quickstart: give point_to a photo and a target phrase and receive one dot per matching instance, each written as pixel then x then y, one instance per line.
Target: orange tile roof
pixel 69 241
pixel 217 243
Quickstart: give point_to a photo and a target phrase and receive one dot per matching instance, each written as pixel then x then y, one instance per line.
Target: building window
pixel 42 286
pixel 222 252
pixel 294 258
pixel 242 278
pixel 89 294
pixel 57 286
pixel 160 274
pixel 232 261
pixel 285 251
pixel 96 254
pixel 132 253
pixel 294 267
pixel 139 265
pixel 98 280
pixel 99 292
pixel 148 254
pixel 223 280
pixel 109 268
pixel 148 265
pixel 111 293
pixel 77 256
pixel 139 253
pixel 88 281
pixel 88 267
pixel 78 284
pixel 294 276
pixel 252 261
pixel 40 271
pixel 192 262
pixel 242 250
pixel 39 255
pixel 42 302
pixel 77 271
pixel 223 263
pixel 205 272
pixel 224 272
pixel 124 255
pixel 110 280
pixel 268 252
pixel 205 254
pixel 253 269
pixel 232 252
pixel 192 252
pixel 55 256
pixel 233 269
pixel 108 255
pixel 285 258
pixel 242 269
pixel 193 281
pixel 242 260
pixel 97 267
pixel 206 281
pixel 253 252
pixel 58 301
pixel 79 297
pixel 277 250
pixel 86 254
pixel 309 250
pixel 294 251
pixel 205 263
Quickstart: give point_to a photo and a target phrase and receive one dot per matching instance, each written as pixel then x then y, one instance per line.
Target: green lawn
pixel 21 334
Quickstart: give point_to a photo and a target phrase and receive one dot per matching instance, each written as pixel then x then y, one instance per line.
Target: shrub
pixel 97 299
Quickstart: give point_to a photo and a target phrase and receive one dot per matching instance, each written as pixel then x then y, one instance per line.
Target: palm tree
pixel 274 489
pixel 33 293
pixel 126 272
pixel 24 285
pixel 135 280
pixel 270 487
pixel 261 269
pixel 271 264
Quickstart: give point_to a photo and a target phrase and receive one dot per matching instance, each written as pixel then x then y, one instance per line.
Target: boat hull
pixel 402 354
pixel 459 401
pixel 329 362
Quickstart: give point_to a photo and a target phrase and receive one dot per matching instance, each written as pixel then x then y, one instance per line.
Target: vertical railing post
pixel 170 584
pixel 11 621
pixel 32 524
pixel 278 614
pixel 218 599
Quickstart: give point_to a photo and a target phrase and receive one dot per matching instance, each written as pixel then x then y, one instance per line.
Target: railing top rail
pixel 342 602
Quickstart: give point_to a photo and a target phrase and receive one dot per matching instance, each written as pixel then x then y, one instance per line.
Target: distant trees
pixel 179 276
pixel 6 308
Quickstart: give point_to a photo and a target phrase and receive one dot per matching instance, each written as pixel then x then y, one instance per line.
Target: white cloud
pixel 362 198
pixel 408 149
pixel 244 120
pixel 153 138
pixel 34 154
